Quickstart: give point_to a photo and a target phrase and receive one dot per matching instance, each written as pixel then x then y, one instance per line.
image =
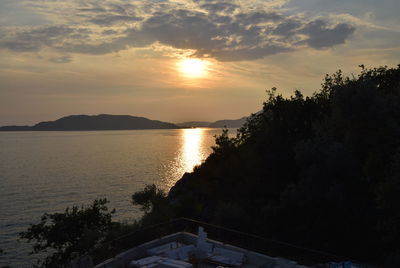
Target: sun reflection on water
pixel 195 146
pixel 192 154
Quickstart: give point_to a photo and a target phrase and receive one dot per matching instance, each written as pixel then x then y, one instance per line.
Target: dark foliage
pixel 63 235
pixel 154 203
pixel 320 171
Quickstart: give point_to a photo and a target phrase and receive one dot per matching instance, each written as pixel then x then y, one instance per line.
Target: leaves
pixel 148 198
pixel 77 229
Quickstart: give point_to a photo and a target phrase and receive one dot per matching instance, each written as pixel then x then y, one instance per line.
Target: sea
pixel 48 171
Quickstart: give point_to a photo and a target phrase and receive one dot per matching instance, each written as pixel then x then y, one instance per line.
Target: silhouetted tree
pixel 320 171
pixel 154 203
pixel 77 230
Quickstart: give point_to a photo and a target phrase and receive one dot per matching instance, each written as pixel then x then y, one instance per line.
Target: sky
pixel 181 60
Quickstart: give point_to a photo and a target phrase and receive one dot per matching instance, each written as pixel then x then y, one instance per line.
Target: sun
pixel 193 68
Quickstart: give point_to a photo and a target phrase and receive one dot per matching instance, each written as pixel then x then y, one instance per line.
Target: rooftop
pixel 185 243
pixel 192 251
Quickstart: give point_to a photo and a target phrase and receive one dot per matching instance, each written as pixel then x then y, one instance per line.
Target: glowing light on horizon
pixel 193 68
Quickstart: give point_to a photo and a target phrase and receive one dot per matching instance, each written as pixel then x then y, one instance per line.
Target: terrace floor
pixel 250 259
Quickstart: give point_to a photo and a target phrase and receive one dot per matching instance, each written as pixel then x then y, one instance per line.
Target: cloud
pixel 250 53
pixel 35 39
pixel 219 7
pixel 109 32
pixel 108 20
pixel 256 17
pixel 321 35
pixel 382 9
pixel 287 28
pixel 61 59
pixel 222 30
pixel 92 10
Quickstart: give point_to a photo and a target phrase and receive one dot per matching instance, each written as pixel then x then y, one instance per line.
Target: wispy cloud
pixel 60 59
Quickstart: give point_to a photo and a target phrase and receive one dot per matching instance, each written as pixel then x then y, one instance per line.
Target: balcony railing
pixel 270 247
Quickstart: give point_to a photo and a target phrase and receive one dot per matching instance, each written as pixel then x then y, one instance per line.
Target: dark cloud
pixel 217 29
pixel 321 35
pixel 109 32
pixel 219 7
pixel 34 40
pixel 99 49
pixel 93 10
pixel 121 9
pixel 222 19
pixel 257 17
pixel 109 20
pixel 287 28
pixel 182 29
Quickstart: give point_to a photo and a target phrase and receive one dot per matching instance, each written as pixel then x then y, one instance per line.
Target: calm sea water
pixel 48 171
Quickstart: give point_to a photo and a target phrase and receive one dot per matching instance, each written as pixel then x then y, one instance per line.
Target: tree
pixel 319 171
pixel 62 235
pixel 154 203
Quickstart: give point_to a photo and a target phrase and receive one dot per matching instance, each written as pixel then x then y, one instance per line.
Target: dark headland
pixel 94 122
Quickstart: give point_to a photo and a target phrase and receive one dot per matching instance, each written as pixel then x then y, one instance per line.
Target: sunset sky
pixel 180 60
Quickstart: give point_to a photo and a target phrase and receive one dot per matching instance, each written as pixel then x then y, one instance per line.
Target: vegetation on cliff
pixel 58 237
pixel 320 171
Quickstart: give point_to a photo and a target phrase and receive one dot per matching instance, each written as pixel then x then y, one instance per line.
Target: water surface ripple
pixel 48 171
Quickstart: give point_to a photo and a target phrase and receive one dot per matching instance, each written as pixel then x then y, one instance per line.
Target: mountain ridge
pixel 94 122
pixel 229 123
pixel 117 122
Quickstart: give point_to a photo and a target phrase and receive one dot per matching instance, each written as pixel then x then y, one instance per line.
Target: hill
pixel 94 122
pixel 228 123
pixel 194 124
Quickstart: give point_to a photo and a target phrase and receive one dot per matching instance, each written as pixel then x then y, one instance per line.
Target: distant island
pixel 235 123
pixel 94 122
pixel 117 122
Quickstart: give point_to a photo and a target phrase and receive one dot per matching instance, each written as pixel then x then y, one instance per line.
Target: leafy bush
pixel 77 230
